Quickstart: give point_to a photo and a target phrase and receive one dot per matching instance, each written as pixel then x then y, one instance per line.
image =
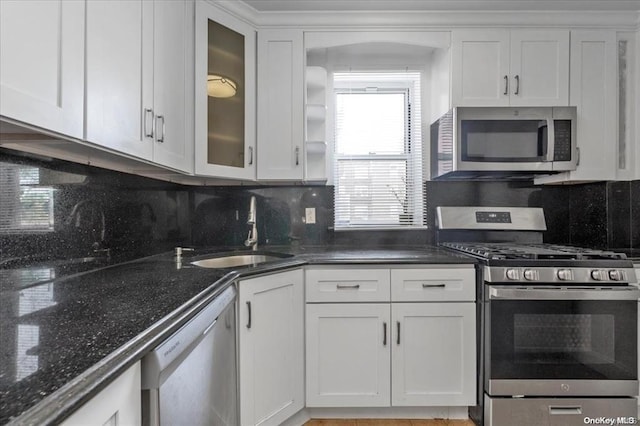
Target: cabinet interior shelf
pixel 316 147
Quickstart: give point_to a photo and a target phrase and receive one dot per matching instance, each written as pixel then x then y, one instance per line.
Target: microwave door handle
pixel 551 140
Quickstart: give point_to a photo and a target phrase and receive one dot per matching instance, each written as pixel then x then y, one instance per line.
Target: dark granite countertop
pixel 64 334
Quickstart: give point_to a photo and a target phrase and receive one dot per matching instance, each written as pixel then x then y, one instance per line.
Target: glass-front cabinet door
pixel 225 95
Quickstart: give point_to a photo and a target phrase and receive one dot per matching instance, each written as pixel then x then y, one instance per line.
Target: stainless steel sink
pixel 237 260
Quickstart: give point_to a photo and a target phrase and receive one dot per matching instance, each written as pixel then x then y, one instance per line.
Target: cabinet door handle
pixel 148 118
pixel 517 92
pixel 398 336
pixel 424 285
pixel 160 132
pixel 384 334
pixel 297 155
pixel 250 155
pixel 347 286
pixel 249 311
pixel 506 85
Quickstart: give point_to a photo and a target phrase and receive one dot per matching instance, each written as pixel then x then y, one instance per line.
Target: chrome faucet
pixel 252 238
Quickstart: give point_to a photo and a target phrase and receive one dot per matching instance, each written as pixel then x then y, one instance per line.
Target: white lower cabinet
pixel 433 354
pixel 119 404
pixel 381 354
pixel 348 356
pixel 271 348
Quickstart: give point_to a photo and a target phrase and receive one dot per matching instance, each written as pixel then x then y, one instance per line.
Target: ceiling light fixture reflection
pixel 220 87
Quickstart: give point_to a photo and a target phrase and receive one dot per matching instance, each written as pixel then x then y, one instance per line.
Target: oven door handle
pixel 537 293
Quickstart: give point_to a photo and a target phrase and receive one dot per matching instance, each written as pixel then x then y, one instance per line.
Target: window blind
pixel 25 206
pixel 378 151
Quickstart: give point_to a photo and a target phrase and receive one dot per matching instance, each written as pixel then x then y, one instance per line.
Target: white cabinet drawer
pixel 433 284
pixel 347 285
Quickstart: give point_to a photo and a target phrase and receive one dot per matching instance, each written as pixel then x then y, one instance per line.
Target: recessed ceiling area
pixel 440 5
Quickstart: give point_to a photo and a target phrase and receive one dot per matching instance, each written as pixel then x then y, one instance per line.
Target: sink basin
pixel 236 260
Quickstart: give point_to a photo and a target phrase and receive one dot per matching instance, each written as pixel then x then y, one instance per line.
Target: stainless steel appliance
pixel 480 142
pixel 191 378
pixel 559 324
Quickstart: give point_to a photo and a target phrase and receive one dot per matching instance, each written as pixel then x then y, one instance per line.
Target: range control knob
pixel 565 274
pixel 616 275
pixel 513 274
pixel 531 275
pixel 599 275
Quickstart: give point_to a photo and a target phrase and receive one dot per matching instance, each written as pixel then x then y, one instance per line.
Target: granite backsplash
pixel 52 209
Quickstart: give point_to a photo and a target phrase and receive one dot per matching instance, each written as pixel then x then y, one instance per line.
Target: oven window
pixel 503 140
pixel 563 339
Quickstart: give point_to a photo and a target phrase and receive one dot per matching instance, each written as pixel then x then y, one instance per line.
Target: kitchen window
pixel 25 206
pixel 378 151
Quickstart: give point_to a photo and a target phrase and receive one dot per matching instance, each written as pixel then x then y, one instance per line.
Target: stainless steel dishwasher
pixel 191 378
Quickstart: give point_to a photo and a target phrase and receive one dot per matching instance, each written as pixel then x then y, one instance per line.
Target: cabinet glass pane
pixel 225 89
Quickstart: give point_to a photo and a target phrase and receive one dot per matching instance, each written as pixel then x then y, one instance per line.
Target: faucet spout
pixel 252 238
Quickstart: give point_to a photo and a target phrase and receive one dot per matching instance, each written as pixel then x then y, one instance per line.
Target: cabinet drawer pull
pixel 506 85
pixel 148 118
pixel 517 92
pixel 384 334
pixel 347 286
pixel 297 155
pixel 424 285
pixel 249 310
pixel 250 155
pixel 398 336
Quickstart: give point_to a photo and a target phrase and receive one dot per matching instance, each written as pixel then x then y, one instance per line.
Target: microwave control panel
pixel 562 133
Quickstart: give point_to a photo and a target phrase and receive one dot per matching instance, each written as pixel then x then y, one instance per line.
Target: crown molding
pixel 436 19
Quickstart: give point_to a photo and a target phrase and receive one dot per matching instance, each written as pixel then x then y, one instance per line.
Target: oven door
pixel 552 341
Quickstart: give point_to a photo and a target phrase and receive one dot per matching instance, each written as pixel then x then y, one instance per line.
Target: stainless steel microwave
pixel 503 142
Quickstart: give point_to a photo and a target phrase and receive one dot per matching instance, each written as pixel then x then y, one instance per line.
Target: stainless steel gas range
pixel 558 324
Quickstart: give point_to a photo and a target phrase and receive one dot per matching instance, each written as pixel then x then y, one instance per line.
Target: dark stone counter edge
pixel 62 403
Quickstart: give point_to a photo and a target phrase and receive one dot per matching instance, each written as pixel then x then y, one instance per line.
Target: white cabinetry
pixel 118 404
pixel 348 355
pixel 173 83
pixel 119 66
pixel 137 75
pixel 433 354
pixel 593 92
pixel 378 354
pixel 510 67
pixel 271 348
pixel 225 127
pixel 42 64
pixel 280 100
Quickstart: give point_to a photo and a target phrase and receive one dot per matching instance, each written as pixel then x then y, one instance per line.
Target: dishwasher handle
pixel 174 348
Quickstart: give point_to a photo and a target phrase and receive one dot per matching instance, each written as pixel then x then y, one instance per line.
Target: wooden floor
pixel 387 422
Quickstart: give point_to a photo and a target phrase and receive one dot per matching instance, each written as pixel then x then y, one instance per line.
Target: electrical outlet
pixel 310 215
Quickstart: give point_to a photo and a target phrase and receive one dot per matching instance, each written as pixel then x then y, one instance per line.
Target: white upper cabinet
pixel 225 95
pixel 593 92
pixel 120 76
pixel 42 64
pixel 138 73
pixel 510 67
pixel 173 84
pixel 280 105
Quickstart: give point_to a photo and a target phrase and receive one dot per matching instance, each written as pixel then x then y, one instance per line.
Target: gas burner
pixel 507 251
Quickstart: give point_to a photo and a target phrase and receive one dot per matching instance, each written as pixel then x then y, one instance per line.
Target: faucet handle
pixel 180 250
